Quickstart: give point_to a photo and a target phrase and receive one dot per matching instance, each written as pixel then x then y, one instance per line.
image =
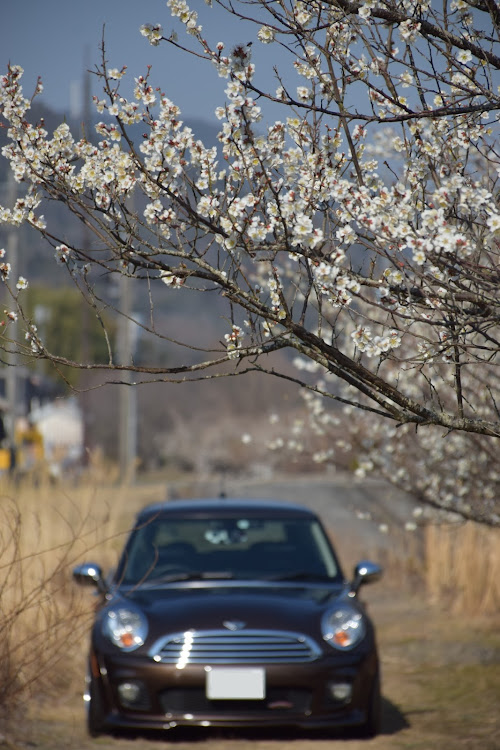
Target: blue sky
pixel 54 38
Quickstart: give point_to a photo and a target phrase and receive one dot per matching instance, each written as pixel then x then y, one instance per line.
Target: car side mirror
pixel 365 572
pixel 89 574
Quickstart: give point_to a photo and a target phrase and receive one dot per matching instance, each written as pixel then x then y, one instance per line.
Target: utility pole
pixel 127 422
pixel 85 353
pixel 11 357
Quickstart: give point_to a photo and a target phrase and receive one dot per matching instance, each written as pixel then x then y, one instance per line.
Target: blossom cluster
pixel 371 228
pixel 233 341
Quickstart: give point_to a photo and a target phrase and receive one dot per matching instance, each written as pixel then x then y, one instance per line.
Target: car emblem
pixel 234 624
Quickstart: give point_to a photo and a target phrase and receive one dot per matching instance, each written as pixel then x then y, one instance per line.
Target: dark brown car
pixel 230 613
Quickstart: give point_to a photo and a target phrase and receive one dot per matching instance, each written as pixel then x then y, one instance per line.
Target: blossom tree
pixel 349 213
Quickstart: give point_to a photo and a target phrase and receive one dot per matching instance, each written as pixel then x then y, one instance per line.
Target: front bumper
pixel 298 695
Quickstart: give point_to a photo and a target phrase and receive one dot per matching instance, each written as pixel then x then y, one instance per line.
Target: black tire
pixel 95 709
pixel 373 723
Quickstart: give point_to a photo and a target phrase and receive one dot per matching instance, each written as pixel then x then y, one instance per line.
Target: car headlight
pixel 343 627
pixel 126 627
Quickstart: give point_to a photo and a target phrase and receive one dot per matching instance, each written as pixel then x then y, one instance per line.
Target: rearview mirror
pixel 365 572
pixel 89 574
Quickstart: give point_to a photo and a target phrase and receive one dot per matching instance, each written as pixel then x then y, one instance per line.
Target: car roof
pixel 226 507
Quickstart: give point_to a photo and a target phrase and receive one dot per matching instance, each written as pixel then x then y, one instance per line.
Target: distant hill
pixel 36 261
pixel 33 248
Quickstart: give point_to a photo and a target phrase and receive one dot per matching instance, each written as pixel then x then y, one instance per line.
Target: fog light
pixel 340 691
pixel 130 692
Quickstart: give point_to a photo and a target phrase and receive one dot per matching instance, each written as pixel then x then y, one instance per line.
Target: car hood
pixel 177 608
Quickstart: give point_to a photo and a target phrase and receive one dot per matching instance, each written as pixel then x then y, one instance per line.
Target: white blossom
pixel 266 34
pixel 153 33
pixel 22 283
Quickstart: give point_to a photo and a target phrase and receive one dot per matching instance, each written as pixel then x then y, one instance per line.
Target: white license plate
pixel 233 683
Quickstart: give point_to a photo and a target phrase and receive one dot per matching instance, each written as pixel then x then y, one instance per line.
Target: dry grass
pixel 44 532
pixel 462 566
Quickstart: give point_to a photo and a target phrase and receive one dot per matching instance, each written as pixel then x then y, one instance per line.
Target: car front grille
pixel 242 647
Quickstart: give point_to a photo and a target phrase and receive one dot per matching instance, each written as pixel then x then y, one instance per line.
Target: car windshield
pixel 168 549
